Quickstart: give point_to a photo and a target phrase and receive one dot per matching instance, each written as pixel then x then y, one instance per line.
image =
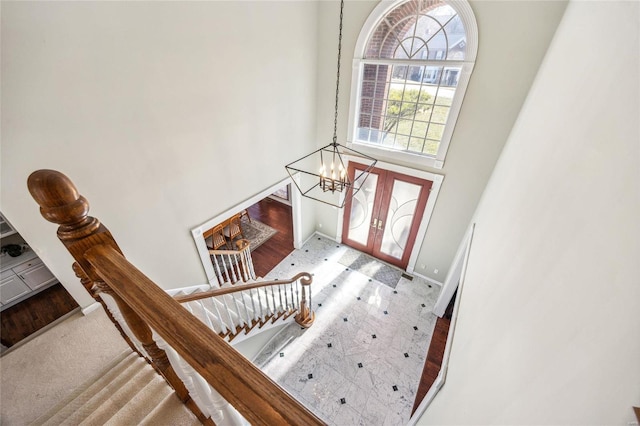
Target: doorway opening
pixel 278 215
pixel 274 209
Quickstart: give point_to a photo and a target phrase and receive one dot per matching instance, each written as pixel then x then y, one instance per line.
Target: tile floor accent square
pixel 381 393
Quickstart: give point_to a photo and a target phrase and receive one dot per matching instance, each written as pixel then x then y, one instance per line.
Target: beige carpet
pixel 43 374
pixel 127 392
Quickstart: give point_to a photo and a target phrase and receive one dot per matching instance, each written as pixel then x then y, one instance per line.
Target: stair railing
pixel 232 266
pixel 236 310
pixel 148 310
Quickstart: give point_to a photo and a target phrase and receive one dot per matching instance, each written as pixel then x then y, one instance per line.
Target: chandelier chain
pixel 335 116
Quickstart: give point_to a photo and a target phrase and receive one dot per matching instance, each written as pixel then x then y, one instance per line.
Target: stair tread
pixel 170 411
pixel 91 403
pixel 76 399
pixel 143 403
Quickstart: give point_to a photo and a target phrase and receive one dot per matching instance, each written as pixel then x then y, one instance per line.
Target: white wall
pixel 513 37
pixel 549 323
pixel 161 112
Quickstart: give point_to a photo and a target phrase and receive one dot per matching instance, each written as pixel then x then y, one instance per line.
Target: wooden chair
pixel 217 237
pixel 233 229
pixel 245 212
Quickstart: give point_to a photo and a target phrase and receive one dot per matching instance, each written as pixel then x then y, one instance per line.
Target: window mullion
pixel 437 63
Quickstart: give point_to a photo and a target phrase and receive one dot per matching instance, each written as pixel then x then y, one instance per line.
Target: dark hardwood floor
pixel 278 216
pixel 34 313
pixel 435 354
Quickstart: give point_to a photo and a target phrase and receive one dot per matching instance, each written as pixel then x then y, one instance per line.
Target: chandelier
pixel 323 174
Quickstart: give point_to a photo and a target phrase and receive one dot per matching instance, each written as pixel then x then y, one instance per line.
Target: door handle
pixel 379 224
pixel 375 222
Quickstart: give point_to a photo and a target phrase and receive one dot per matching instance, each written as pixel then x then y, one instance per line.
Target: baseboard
pixel 324 236
pixel 92 307
pixel 426 401
pixel 430 280
pixel 317 234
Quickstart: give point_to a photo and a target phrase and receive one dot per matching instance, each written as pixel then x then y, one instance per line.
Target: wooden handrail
pixel 242 245
pixel 61 203
pixel 249 390
pixel 304 277
pixel 145 306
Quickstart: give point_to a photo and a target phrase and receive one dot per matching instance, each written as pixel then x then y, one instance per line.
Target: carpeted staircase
pixel 126 392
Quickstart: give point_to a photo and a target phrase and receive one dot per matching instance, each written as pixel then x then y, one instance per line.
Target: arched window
pixel 412 64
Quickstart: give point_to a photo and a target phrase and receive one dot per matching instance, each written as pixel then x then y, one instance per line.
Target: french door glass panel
pixel 362 209
pixel 402 208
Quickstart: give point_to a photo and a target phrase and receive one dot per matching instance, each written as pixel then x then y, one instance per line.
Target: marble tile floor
pixel 360 362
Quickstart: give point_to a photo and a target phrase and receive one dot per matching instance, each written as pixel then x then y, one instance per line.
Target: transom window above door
pixel 413 62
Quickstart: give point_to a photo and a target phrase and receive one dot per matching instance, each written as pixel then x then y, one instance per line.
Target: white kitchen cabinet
pixel 34 274
pixel 5 227
pixel 12 288
pixel 22 277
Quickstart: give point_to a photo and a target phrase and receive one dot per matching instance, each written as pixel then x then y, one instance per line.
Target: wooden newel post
pixel 305 316
pixel 61 203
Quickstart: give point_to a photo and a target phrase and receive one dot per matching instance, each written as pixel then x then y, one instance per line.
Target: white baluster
pixel 232 323
pixel 252 272
pixel 245 266
pixel 225 273
pixel 241 320
pixel 201 396
pixel 217 267
pixel 262 316
pixel 212 301
pixel 280 296
pixel 253 305
pixel 230 416
pixel 207 318
pixel 231 267
pixel 248 322
pixel 275 307
pixel 112 306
